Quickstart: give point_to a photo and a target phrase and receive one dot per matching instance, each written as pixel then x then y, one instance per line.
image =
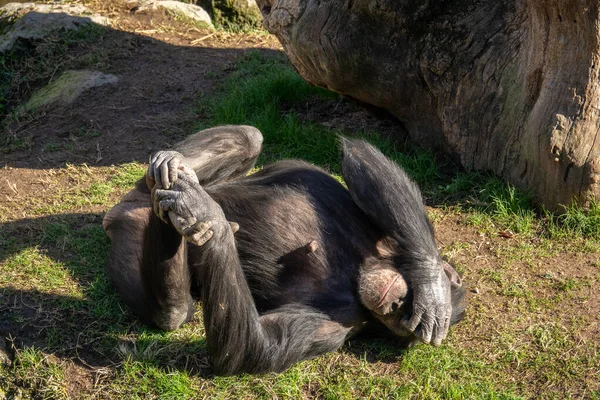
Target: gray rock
pixel 39 20
pixel 191 11
pixel 67 88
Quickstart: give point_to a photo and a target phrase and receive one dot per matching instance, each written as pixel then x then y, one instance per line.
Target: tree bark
pixel 510 86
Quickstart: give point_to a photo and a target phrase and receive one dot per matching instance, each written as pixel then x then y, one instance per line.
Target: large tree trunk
pixel 509 86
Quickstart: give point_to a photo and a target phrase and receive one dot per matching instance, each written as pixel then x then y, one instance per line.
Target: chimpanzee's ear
pixel 451 273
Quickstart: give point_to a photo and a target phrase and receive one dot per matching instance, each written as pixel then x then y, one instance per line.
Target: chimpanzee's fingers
pixel 151 164
pixel 160 213
pixel 154 156
pixel 161 199
pixel 199 233
pixel 414 321
pixel 180 223
pixel 447 323
pixel 425 330
pixel 199 239
pixel 157 159
pixel 162 194
pixel 164 175
pixel 185 177
pixel 156 166
pixel 200 228
pixel 167 205
pixel 173 166
pixel 441 331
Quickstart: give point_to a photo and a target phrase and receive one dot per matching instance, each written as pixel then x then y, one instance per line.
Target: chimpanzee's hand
pixel 192 212
pixel 163 168
pixel 432 309
pixel 157 187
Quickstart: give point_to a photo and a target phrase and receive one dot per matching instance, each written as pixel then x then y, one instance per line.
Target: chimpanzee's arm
pixel 394 203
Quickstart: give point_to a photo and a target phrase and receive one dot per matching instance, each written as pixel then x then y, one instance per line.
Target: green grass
pixel 576 221
pixel 139 380
pixel 514 343
pixel 32 269
pixel 255 94
pixel 41 376
pixel 127 175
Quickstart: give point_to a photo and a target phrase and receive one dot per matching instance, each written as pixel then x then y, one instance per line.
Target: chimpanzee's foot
pixel 191 211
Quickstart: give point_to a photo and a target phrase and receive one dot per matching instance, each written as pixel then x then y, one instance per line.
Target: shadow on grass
pixel 55 295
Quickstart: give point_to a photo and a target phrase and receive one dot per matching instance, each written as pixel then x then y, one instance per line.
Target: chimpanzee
pixel 287 262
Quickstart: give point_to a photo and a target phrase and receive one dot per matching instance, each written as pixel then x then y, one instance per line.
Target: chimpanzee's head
pixel 385 292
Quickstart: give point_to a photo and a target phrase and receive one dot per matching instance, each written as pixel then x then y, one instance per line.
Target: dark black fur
pixel 267 302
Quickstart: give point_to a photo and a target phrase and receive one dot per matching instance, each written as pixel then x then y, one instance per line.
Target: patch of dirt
pixel 561 280
pixel 349 115
pixel 20 183
pixel 163 65
pixel 80 380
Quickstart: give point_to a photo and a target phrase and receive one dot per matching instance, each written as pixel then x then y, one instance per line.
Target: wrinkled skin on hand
pixel 191 211
pixel 163 168
pixel 178 198
pixel 432 308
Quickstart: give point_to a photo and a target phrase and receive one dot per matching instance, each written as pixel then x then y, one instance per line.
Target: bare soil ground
pixel 161 76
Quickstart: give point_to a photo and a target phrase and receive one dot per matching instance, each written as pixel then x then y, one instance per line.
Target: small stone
pixel 69 86
pixel 191 11
pixel 476 290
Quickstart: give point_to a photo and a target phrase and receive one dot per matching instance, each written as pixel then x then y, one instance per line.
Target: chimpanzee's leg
pixel 239 340
pixel 148 259
pixel 216 154
pixel 148 262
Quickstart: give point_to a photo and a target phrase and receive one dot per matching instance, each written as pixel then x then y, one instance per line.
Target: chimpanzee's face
pixel 392 319
pixel 384 291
